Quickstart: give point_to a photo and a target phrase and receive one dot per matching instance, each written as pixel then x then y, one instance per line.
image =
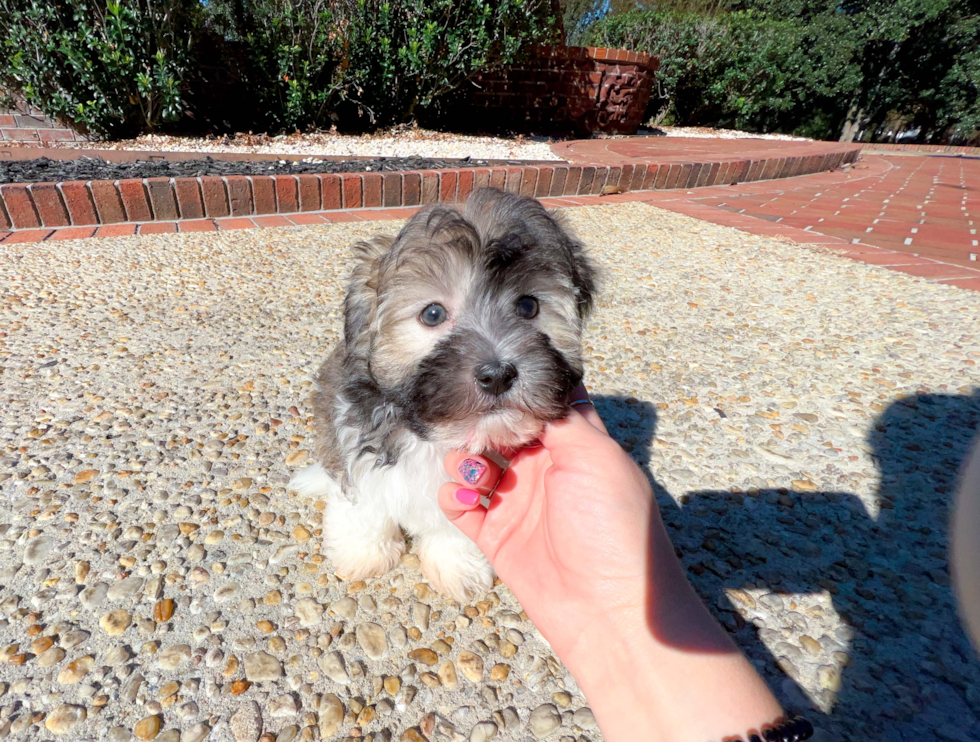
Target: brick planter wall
pixel 25 123
pixel 575 89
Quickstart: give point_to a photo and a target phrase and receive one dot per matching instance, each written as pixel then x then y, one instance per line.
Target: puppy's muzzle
pixel 495 378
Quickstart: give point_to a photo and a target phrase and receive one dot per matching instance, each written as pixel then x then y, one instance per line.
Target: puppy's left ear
pixel 361 301
pixel 583 270
pixel 584 278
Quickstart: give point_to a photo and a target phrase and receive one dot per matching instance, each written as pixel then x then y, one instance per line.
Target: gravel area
pixel 45 170
pixel 401 142
pixel 704 132
pixel 801 415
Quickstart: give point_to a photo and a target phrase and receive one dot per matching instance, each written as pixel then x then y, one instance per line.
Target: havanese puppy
pixel 463 332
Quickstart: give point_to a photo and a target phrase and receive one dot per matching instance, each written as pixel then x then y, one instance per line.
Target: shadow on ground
pixel 901 666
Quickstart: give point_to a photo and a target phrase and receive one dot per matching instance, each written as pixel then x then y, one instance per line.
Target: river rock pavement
pixel 802 417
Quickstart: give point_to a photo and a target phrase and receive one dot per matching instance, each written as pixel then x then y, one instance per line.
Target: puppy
pixel 463 332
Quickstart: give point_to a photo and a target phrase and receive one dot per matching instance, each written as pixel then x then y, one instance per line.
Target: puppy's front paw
pixel 456 568
pixel 359 554
pixel 364 560
pixel 312 481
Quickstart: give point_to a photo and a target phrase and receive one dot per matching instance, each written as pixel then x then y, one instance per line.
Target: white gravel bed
pixel 801 415
pixel 704 132
pixel 407 142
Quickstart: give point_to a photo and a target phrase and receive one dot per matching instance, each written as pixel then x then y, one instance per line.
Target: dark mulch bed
pixel 44 170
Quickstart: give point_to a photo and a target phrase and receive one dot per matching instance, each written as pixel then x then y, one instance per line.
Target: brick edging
pixel 923 148
pixel 100 202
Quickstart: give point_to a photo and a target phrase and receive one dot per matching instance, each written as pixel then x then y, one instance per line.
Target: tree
pixel 913 58
pixel 937 87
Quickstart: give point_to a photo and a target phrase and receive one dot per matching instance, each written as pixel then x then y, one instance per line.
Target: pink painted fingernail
pixel 467 497
pixel 471 470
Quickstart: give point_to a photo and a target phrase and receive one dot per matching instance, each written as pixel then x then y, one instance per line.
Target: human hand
pixel 572 528
pixel 568 528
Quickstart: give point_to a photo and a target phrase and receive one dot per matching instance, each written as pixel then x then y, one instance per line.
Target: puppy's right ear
pixel 361 301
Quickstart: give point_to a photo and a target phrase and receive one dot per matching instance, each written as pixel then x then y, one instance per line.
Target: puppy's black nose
pixel 495 378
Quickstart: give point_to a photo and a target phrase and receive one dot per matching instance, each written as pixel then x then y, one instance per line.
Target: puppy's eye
pixel 433 315
pixel 527 307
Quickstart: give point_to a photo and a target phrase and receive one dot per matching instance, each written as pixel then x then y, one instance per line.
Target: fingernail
pixel 471 470
pixel 467 497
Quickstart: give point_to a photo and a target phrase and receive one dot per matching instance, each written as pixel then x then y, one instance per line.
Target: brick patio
pixel 25 123
pixel 919 205
pixel 915 214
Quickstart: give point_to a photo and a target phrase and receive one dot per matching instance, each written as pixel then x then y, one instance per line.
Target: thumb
pixel 573 432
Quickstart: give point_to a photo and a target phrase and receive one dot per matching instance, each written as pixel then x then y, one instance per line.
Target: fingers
pixel 462 506
pixel 580 403
pixel 476 472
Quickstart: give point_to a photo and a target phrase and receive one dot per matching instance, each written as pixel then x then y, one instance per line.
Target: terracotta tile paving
pixel 916 214
pixel 928 206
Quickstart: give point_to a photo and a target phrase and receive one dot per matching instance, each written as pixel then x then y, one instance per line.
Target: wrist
pixel 672 673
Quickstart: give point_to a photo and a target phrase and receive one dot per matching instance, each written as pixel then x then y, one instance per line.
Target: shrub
pixel 816 67
pixel 115 70
pixel 130 66
pixel 402 56
pixel 286 54
pixel 368 63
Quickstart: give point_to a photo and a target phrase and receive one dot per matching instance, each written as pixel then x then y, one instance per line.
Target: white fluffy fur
pixel 362 538
pixel 313 481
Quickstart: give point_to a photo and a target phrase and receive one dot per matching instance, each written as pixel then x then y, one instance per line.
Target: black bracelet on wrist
pixel 796 729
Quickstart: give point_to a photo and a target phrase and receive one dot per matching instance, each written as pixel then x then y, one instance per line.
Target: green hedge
pixel 115 69
pixel 403 56
pixel 739 69
pixel 821 69
pixel 133 66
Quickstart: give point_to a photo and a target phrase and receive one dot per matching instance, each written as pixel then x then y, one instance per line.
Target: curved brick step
pixel 93 203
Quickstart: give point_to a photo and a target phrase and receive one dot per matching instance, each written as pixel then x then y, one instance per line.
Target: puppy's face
pixel 472 322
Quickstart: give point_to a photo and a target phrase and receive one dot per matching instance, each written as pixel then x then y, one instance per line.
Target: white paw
pixel 312 481
pixel 456 568
pixel 357 555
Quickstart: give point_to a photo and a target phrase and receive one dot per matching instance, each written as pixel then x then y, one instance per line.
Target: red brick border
pixel 191 203
pixel 921 149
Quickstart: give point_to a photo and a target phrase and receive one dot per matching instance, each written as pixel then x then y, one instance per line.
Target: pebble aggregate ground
pixel 158 582
pixel 401 142
pixel 397 142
